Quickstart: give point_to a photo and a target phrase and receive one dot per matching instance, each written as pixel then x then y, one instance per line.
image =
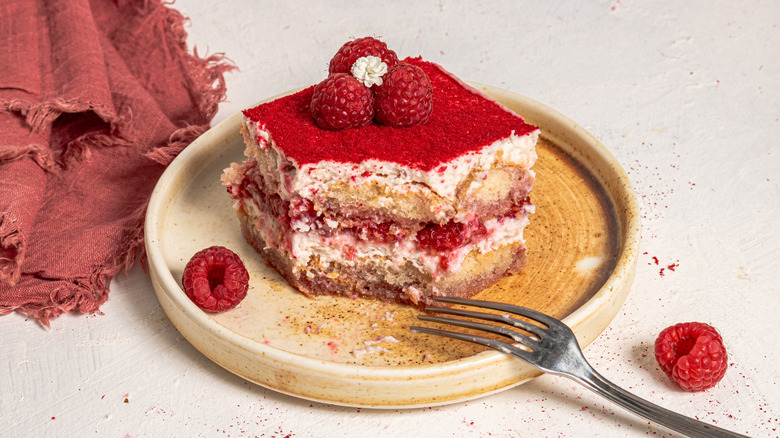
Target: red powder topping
pixel 463 121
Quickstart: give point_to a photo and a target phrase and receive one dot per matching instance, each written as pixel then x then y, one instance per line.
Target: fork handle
pixel 672 420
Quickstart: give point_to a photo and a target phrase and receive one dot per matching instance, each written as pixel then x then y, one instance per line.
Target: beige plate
pixel 582 241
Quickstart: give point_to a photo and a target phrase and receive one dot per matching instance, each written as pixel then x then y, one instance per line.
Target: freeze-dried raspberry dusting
pixel 692 354
pixel 341 101
pixel 350 52
pixel 405 97
pixel 215 279
pixel 456 108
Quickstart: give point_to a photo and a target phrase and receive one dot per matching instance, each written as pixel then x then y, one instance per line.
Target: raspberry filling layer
pixel 297 228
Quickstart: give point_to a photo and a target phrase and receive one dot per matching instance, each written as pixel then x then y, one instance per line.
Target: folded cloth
pixel 96 98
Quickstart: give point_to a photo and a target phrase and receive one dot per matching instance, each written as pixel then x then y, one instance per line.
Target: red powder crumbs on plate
pixel 462 121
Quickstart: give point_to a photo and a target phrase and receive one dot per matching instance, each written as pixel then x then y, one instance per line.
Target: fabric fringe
pixel 86 295
pixel 178 140
pixel 12 249
pixel 39 116
pixel 38 152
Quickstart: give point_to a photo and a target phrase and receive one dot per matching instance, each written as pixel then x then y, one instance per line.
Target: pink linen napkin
pixel 96 98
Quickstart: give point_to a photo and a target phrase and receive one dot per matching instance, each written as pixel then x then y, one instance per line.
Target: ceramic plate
pixel 582 251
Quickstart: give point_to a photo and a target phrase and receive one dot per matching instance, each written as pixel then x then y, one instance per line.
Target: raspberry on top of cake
pixel 416 188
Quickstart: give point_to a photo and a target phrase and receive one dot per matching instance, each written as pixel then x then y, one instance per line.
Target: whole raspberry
pixel 405 97
pixel 341 101
pixel 350 52
pixel 692 354
pixel 215 279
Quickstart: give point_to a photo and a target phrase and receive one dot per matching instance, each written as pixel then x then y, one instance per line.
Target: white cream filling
pixel 347 249
pixel 443 180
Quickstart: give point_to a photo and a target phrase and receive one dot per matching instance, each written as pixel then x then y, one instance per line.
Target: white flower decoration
pixel 369 70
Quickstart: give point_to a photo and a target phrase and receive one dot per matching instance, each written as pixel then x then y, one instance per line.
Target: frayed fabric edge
pixel 86 295
pixel 38 152
pixel 12 249
pixel 177 141
pixel 40 115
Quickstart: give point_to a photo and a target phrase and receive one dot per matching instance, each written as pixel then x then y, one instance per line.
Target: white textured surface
pixel 685 94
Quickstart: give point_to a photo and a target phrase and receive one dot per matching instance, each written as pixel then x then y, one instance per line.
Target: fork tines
pixel 527 342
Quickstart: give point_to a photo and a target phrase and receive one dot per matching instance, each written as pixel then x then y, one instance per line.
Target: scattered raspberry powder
pixel 692 354
pixel 215 279
pixel 405 98
pixel 341 101
pixel 353 50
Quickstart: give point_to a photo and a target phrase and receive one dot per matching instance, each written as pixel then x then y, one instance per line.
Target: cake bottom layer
pixel 406 284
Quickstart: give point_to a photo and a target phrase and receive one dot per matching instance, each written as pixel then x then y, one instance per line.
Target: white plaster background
pixel 685 94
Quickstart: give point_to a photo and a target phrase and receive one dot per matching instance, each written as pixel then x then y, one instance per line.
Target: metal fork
pixel 554 349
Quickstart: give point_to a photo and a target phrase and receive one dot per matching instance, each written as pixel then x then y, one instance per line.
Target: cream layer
pixel 310 179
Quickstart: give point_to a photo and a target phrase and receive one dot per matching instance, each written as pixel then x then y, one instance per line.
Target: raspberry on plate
pixel 215 279
pixel 405 97
pixel 342 101
pixel 350 52
pixel 692 354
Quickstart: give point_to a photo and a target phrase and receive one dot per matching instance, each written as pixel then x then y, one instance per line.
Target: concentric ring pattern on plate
pixel 583 244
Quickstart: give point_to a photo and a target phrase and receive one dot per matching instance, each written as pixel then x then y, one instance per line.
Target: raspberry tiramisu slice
pixel 427 197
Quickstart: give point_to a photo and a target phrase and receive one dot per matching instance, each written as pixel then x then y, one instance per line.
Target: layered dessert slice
pixel 397 214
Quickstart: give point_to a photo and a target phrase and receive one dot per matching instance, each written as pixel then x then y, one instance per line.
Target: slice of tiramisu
pixel 397 214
